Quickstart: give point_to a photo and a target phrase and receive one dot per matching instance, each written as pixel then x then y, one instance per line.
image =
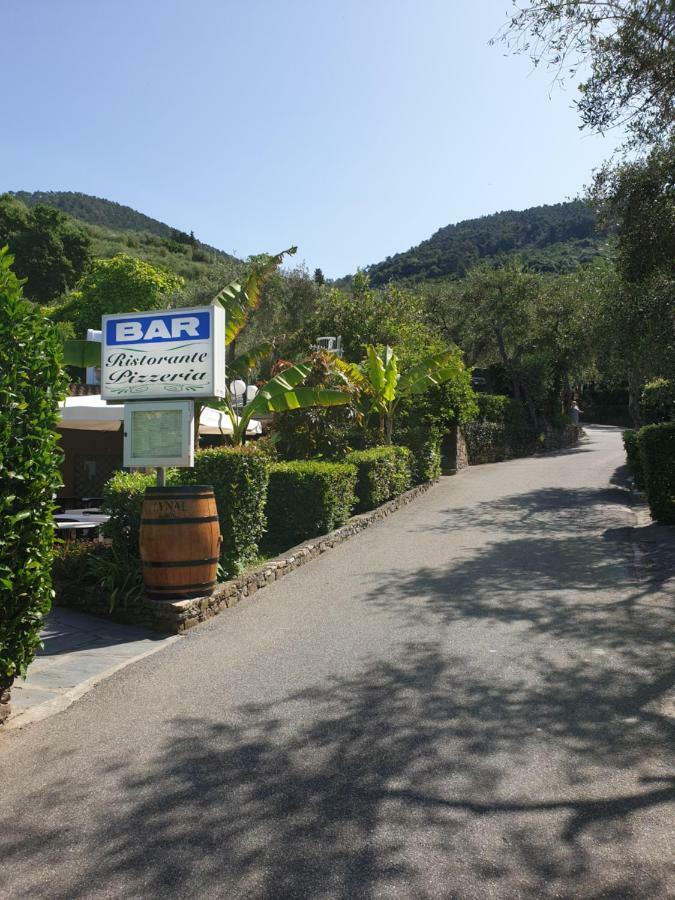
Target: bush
pixel 383 473
pixel 31 384
pixel 633 460
pixel 239 476
pixel 307 498
pixel 657 452
pixel 425 449
pixel 122 501
pixel 492 407
pixel 656 403
pixel 90 576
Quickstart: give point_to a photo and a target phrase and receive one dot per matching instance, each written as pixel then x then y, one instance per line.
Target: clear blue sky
pixel 353 128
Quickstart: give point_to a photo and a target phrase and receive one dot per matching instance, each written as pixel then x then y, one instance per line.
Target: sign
pixel 159 434
pixel 164 354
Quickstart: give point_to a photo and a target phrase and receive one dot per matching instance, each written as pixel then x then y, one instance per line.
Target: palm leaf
pixel 243 363
pixel 305 398
pixel 239 299
pixel 431 371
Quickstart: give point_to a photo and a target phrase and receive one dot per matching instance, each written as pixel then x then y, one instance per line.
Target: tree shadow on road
pixel 405 779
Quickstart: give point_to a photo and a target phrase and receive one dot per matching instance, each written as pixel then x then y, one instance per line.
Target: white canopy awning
pixel 90 413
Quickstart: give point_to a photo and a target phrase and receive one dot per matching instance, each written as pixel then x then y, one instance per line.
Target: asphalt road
pixel 464 701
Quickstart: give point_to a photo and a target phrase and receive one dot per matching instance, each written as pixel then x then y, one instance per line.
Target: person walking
pixel 574 412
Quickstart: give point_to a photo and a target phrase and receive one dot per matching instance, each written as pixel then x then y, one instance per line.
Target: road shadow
pixel 404 779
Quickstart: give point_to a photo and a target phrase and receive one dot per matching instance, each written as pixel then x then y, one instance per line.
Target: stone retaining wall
pixel 179 615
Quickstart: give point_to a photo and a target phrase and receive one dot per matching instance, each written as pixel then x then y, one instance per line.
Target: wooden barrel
pixel 180 541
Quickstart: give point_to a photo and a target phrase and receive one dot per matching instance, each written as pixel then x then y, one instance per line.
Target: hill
pixel 115 228
pixel 555 238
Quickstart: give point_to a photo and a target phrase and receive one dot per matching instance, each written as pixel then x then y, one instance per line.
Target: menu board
pixel 157 433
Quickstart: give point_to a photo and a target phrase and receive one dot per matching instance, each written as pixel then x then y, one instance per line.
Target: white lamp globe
pixel 238 388
pixel 251 392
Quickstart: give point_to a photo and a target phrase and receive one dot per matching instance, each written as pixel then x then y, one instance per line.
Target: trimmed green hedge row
pixel 657 454
pixel 383 473
pixel 307 498
pixel 633 460
pixel 239 477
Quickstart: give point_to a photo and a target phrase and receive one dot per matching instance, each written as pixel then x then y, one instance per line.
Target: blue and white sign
pixel 160 354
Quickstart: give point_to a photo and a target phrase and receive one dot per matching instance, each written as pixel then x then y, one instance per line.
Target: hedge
pixel 122 501
pixel 307 498
pixel 657 453
pixel 383 473
pixel 425 448
pixel 240 477
pixel 657 401
pixel 633 459
pixel 32 382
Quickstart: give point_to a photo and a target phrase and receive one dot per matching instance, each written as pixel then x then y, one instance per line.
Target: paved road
pixel 465 701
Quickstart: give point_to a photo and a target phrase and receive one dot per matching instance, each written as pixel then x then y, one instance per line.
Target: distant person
pixel 574 412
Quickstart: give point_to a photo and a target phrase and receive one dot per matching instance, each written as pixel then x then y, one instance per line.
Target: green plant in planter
pixel 32 382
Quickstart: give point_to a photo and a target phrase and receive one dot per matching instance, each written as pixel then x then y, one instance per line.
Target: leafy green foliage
pixel 120 284
pixel 383 473
pixel 425 448
pixel 317 431
pixel 306 499
pixel 50 249
pixel 657 453
pixel 393 317
pixel 95 578
pixel 122 500
pixel 657 403
pixel 633 458
pixel 32 382
pixel 381 387
pixel 555 238
pixel 628 48
pixel 239 476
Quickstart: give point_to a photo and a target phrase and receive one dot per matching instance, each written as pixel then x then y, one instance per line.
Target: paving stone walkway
pixel 79 650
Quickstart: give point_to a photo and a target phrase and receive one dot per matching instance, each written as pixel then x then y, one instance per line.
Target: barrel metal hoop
pixel 196 521
pixel 180 564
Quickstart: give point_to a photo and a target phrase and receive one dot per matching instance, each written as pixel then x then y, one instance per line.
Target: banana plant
pixel 381 387
pixel 282 393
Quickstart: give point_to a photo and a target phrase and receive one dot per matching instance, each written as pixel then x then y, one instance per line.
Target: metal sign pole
pixel 161 476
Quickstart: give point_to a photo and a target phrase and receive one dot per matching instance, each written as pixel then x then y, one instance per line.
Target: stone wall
pixel 5 705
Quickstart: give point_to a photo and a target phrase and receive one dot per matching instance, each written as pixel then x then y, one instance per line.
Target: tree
pixel 629 47
pixel 32 382
pixel 318 277
pixel 120 284
pixel 50 249
pixel 381 387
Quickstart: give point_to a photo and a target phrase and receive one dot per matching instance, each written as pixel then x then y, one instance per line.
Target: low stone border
pixel 178 615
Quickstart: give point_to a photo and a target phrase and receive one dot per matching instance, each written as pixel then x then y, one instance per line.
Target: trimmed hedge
pixel 307 498
pixel 383 473
pixel 32 382
pixel 633 459
pixel 122 501
pixel 657 453
pixel 425 446
pixel 657 401
pixel 239 476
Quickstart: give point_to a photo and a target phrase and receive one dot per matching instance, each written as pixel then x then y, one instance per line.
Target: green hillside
pixel 114 228
pixel 554 238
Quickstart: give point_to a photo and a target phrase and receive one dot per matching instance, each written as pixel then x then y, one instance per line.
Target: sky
pixel 352 128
